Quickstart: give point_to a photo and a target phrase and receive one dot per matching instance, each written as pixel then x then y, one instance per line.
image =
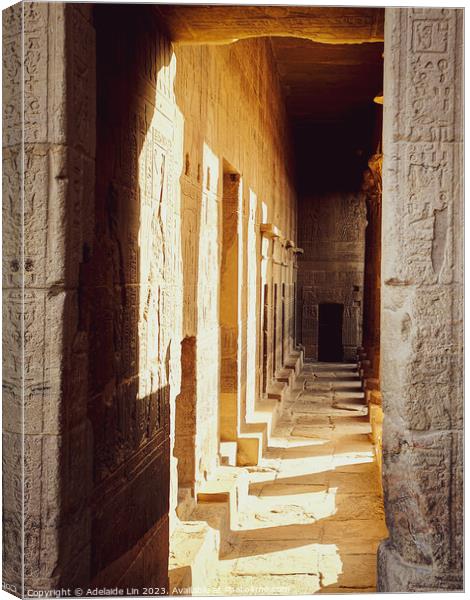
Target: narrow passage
pixel 314 514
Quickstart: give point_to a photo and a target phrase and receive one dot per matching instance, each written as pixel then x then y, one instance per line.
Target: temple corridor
pixel 310 515
pixel 233 298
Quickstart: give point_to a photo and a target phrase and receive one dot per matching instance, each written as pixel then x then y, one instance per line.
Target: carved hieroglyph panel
pixel 425 133
pixel 421 316
pixel 332 234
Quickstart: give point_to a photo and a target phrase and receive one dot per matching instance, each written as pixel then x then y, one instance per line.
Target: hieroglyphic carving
pixel 12 73
pixel 351 218
pixel 427 120
pixel 81 80
pixel 35 73
pixel 430 74
pixel 428 188
pixel 133 300
pixel 332 266
pixel 421 306
pixel 345 25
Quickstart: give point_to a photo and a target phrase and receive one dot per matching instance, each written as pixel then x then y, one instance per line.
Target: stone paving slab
pixel 355 571
pixel 282 557
pixel 355 463
pixel 282 585
pixel 312 420
pixel 351 507
pixel 314 515
pixel 354 483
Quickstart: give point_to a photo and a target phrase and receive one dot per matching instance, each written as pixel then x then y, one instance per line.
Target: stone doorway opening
pixel 330 332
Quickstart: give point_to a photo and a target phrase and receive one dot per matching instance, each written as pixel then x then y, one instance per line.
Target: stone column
pixel 49 150
pixel 230 297
pixel 421 314
pixel 252 299
pixel 266 303
pixel 370 358
pixel 276 283
pixel 372 187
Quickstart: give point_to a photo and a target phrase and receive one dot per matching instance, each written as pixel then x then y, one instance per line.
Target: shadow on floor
pixel 338 545
pixel 314 516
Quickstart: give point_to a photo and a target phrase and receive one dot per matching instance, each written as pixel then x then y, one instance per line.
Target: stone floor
pixel 314 514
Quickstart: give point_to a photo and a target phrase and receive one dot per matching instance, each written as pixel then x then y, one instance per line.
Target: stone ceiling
pixel 202 24
pixel 324 82
pixel 330 64
pixel 329 58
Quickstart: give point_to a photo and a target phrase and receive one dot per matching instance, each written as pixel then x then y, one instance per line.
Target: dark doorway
pixel 330 332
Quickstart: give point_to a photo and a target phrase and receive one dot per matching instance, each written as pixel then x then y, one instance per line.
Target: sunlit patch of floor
pixel 314 516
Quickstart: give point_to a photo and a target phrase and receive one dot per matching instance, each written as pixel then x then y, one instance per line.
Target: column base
pixel 394 575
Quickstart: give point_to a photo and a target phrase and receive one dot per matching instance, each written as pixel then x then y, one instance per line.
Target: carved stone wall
pixel 111 312
pixel 130 298
pixel 47 471
pixel 12 308
pixel 331 231
pixel 232 112
pixel 122 274
pixel 421 332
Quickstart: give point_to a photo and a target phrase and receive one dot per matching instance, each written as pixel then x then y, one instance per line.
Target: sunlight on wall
pixel 208 317
pixel 160 268
pixel 160 272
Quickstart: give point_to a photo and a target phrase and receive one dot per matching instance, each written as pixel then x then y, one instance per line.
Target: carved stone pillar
pixel 230 297
pixel 48 151
pixel 251 303
pixel 372 187
pixel 421 318
pixel 370 359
